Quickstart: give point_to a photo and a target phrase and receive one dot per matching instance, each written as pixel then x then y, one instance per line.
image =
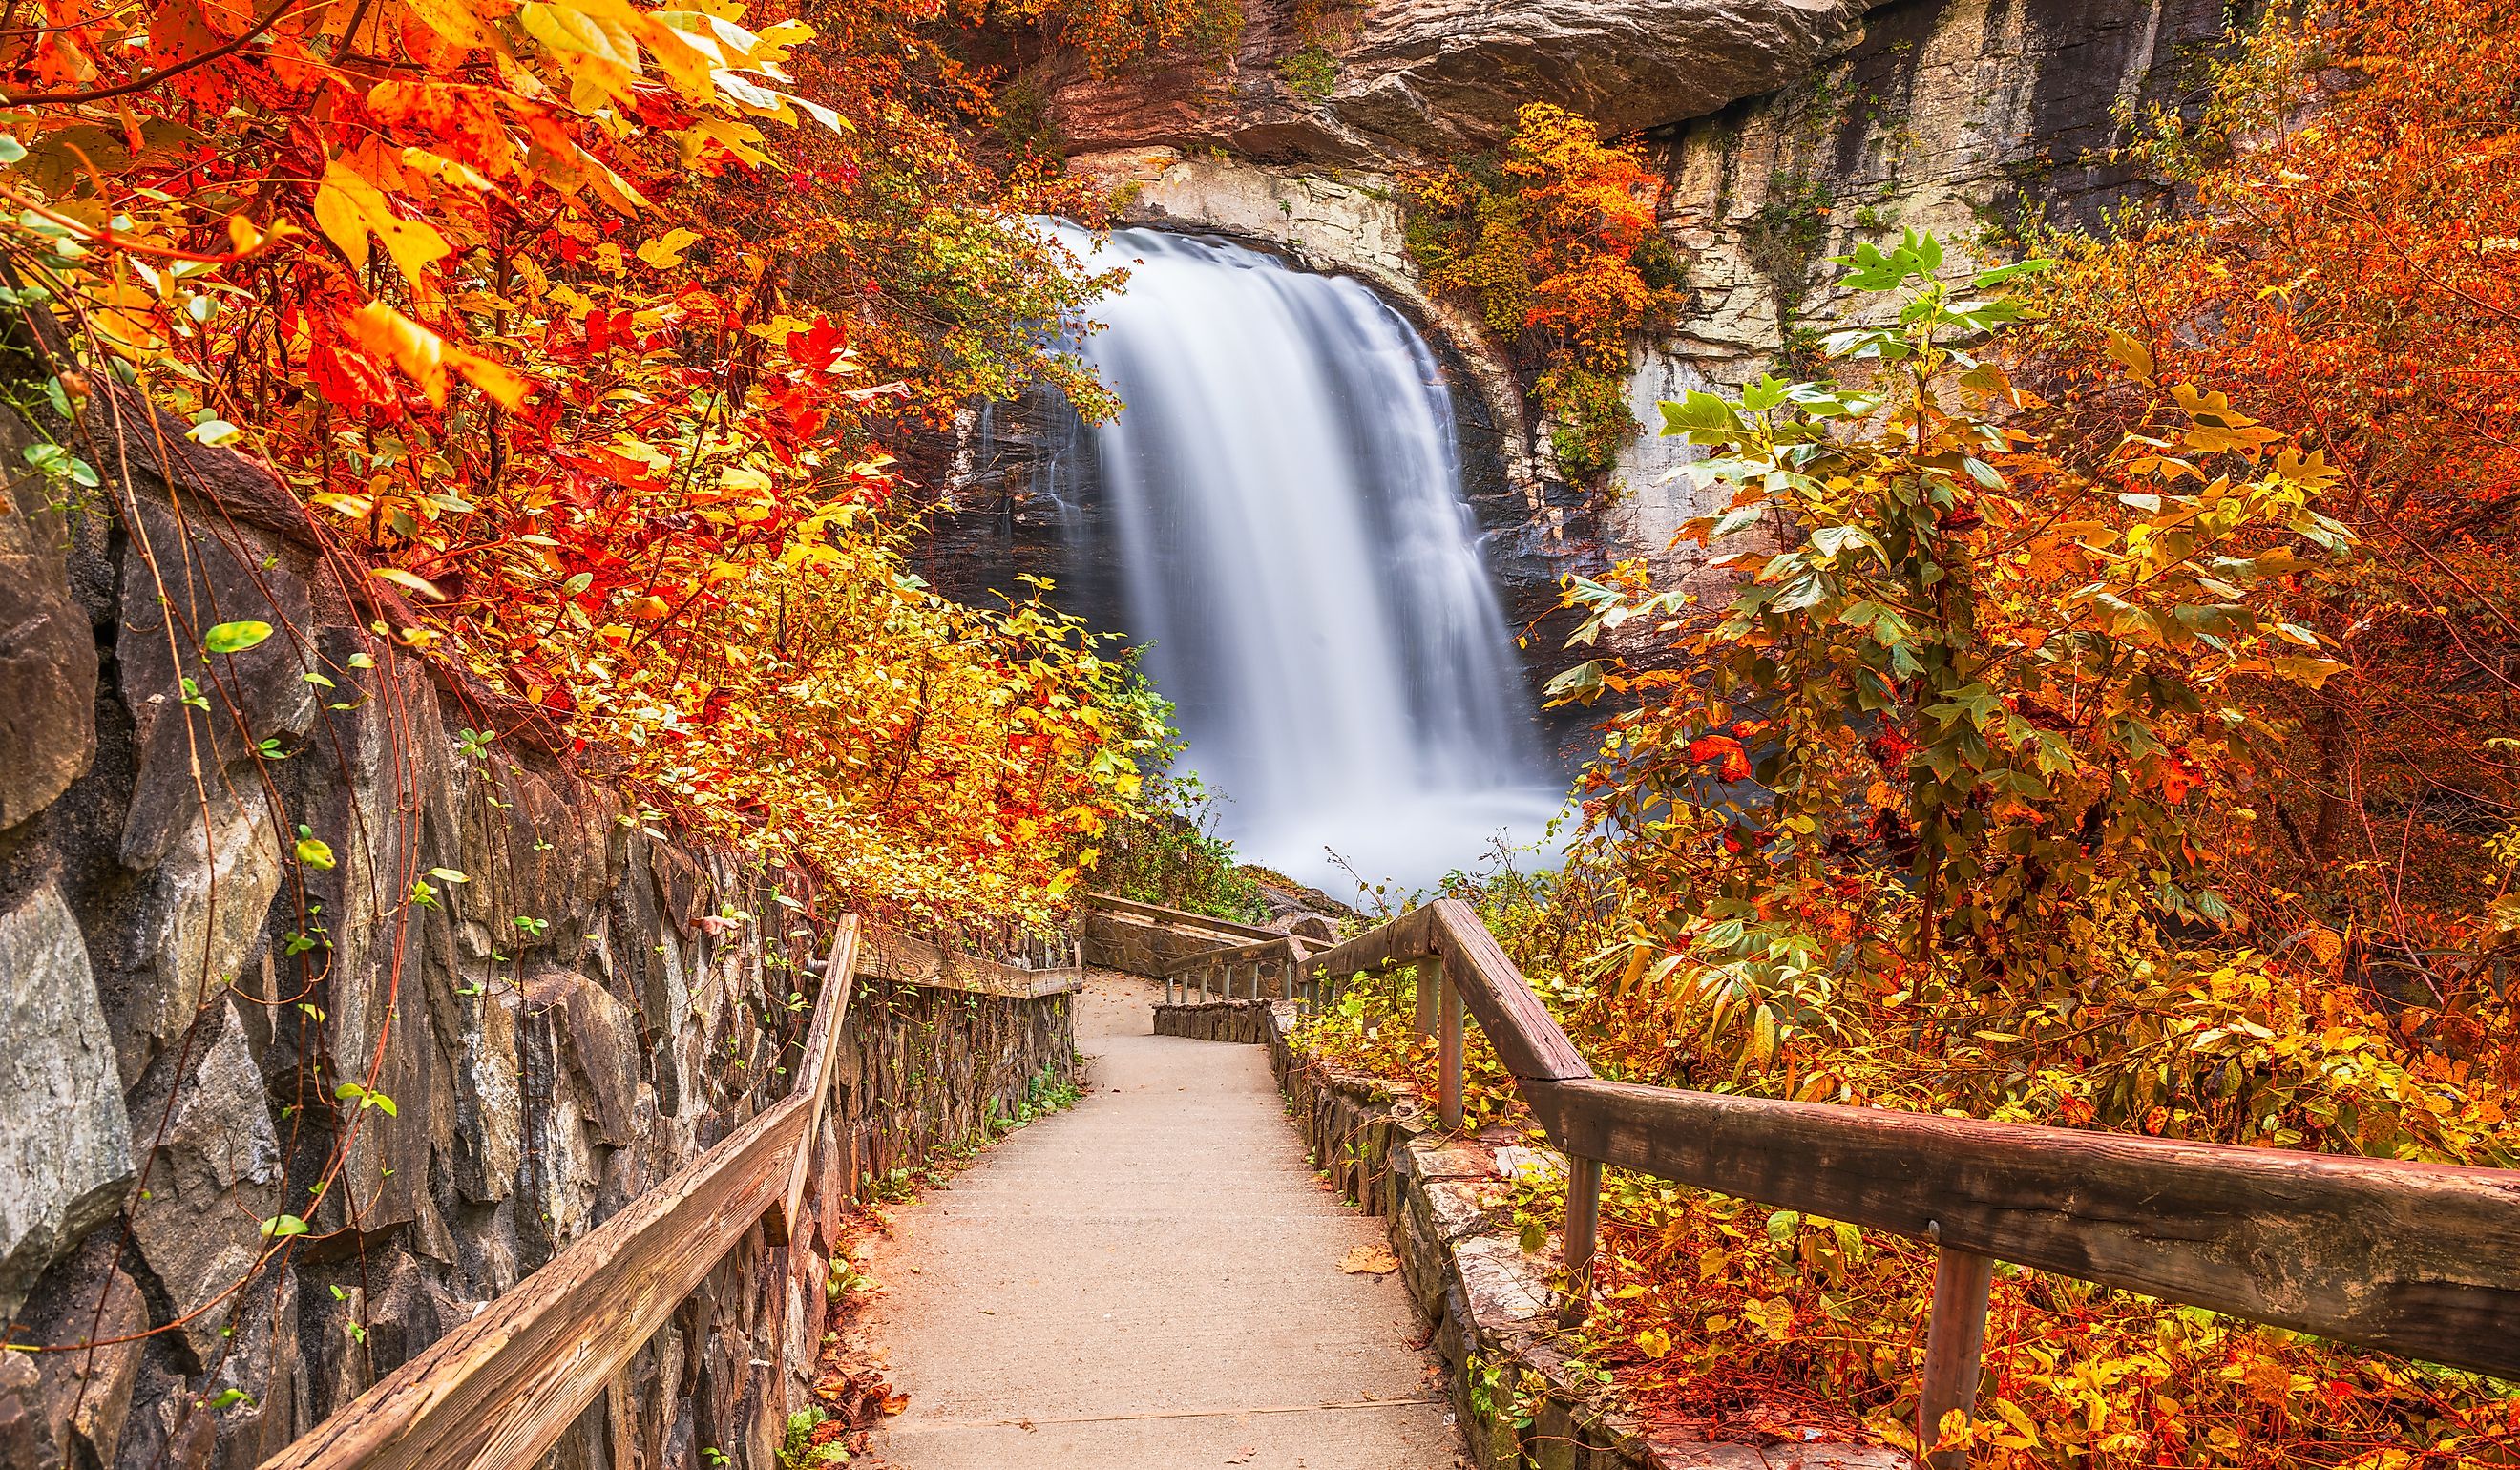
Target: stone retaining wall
pixel 1445 1202
pixel 333 1001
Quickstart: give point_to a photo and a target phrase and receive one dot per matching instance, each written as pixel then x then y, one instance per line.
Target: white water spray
pixel 1286 497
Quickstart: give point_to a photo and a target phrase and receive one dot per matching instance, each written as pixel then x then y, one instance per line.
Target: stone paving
pixel 1150 1281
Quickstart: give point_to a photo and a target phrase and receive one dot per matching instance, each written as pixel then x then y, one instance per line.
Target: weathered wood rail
pixel 498 1392
pixel 2419 1259
pixel 1219 974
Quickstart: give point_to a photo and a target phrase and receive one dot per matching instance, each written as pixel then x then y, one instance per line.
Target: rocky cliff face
pixel 1784 132
pixel 493 1006
pixel 1391 80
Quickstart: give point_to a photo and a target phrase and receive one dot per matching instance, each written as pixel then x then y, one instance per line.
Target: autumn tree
pixel 2345 260
pixel 576 326
pixel 1553 242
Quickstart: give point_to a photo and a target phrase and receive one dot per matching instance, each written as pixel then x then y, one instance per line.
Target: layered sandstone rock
pixel 1426 79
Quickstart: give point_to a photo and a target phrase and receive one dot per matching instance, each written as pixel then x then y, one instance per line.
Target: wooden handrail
pixel 1272 948
pixel 1176 918
pixel 1212 971
pixel 821 1042
pixel 906 958
pixel 500 1389
pixel 2421 1259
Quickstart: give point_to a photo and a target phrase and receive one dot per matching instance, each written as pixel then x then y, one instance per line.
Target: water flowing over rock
pixel 1283 498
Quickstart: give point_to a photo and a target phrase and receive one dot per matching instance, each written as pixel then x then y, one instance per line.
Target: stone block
pixel 65 1138
pixel 48 667
pixel 489 1104
pixel 181 578
pixel 204 911
pixel 599 1036
pixel 83 1397
pixel 213 1174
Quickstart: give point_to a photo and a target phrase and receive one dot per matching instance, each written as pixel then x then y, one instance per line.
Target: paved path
pixel 1149 1281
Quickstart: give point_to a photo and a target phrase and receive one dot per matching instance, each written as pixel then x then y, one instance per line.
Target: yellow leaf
pixel 738 138
pixel 453 19
pixel 408 580
pixel 248 238
pixel 593 49
pixel 348 209
pixel 666 252
pixel 2133 355
pixel 422 161
pixel 424 356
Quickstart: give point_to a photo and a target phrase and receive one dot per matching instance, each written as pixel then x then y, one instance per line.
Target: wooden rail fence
pixel 500 1389
pixel 1219 974
pixel 2420 1259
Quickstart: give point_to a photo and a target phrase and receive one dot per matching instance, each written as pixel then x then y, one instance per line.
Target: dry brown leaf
pixel 1370 1260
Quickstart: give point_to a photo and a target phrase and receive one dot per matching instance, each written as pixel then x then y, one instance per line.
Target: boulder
pixel 85 1396
pixel 65 1138
pixel 601 1040
pixel 489 1104
pixel 179 580
pixel 1418 81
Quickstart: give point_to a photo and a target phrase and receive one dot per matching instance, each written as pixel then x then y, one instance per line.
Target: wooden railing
pixel 499 1391
pixel 1182 921
pixel 2419 1259
pixel 1217 974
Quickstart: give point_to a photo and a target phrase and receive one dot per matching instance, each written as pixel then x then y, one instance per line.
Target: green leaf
pixel 234 637
pixel 1736 520
pixel 1762 395
pixel 2002 272
pixel 213 432
pixel 315 852
pixel 282 1226
pixel 1700 412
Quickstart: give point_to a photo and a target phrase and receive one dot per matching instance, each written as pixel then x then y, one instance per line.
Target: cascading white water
pixel 1285 491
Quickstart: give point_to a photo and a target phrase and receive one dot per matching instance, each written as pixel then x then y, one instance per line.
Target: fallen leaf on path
pixel 1245 1457
pixel 1370 1260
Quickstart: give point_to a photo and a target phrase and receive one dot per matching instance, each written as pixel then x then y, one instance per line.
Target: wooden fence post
pixel 1431 983
pixel 1447 1047
pixel 1954 1335
pixel 1583 1234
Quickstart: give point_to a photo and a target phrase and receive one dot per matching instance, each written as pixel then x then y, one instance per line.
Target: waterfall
pixel 1283 495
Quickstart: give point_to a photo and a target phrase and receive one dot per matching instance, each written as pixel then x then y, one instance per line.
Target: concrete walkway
pixel 1150 1281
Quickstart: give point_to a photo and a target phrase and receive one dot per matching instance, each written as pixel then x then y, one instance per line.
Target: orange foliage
pixel 1554 241
pixel 2350 270
pixel 577 319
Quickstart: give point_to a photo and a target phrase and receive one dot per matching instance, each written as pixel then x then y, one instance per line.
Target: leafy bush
pixel 1554 243
pixel 1311 73
pixel 1942 811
